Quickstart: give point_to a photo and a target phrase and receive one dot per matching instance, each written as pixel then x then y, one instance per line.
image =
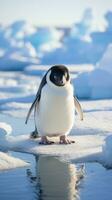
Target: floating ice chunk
pixel 9 162
pixel 6 161
pixel 86 148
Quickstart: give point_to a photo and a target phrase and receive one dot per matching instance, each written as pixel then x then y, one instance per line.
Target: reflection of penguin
pixel 54 105
pixel 55 179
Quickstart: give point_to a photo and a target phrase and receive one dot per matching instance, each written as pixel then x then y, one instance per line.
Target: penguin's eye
pixel 55 77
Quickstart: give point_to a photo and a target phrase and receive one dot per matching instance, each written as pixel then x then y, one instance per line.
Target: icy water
pixel 46 178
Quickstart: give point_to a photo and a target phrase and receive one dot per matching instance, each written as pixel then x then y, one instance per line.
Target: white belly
pixel 55 114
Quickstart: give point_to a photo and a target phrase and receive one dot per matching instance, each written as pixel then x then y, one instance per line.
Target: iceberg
pixel 96 84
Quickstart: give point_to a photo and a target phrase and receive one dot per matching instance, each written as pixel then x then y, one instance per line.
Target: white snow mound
pixel 5 129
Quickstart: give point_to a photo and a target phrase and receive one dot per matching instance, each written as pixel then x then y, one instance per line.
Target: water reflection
pixel 54 179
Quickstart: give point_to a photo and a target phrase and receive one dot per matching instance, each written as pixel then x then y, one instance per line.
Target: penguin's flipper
pixel 78 107
pixel 37 98
pixel 31 108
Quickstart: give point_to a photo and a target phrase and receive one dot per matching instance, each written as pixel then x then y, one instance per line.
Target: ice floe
pixel 87 148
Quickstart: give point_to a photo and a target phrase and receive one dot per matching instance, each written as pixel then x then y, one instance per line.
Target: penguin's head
pixel 58 75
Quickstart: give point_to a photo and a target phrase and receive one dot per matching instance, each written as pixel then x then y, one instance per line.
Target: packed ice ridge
pixel 22 44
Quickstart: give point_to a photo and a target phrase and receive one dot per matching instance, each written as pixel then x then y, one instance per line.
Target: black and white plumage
pixel 54 105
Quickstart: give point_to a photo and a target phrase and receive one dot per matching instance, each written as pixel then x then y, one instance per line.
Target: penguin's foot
pixel 64 140
pixel 45 141
pixel 34 135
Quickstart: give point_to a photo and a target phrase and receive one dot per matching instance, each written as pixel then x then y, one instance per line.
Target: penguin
pixel 54 106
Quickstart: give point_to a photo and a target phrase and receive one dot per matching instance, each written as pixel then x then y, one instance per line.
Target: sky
pixel 51 12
